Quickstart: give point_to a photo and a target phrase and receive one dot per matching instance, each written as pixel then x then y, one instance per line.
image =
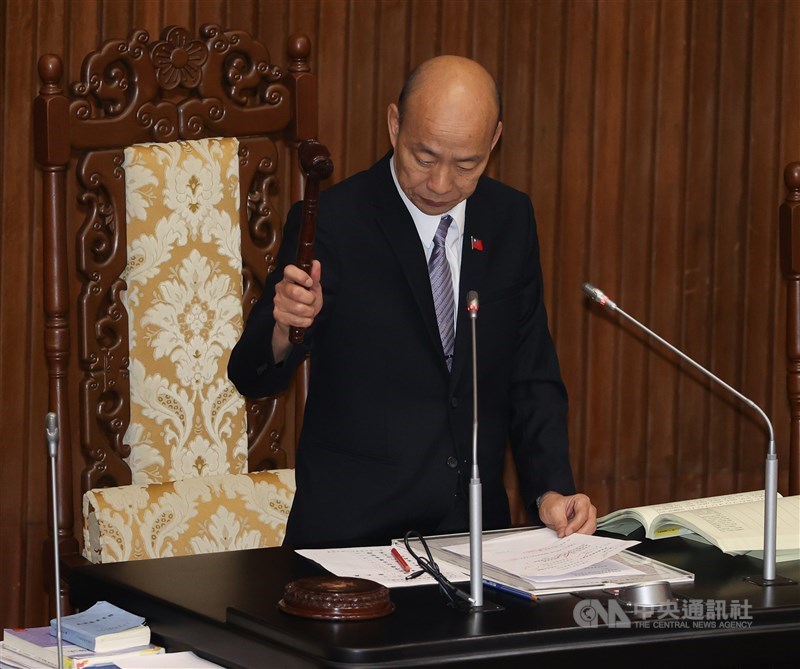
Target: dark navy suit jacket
pixel 387 435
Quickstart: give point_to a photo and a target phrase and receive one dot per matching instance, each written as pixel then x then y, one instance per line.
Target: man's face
pixel 440 153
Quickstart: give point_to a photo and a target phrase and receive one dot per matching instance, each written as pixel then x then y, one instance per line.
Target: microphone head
pixel 51 423
pixel 51 432
pixel 598 296
pixel 472 303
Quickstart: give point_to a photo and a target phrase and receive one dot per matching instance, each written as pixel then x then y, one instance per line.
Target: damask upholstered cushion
pixel 184 303
pixel 191 492
pixel 201 515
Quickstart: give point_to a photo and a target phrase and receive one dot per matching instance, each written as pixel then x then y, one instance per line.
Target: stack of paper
pixel 533 560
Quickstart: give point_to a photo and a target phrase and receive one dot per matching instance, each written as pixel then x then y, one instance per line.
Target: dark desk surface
pixel 224 607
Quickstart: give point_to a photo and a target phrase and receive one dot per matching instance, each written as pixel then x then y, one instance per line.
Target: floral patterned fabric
pixel 188 423
pixel 184 302
pixel 202 515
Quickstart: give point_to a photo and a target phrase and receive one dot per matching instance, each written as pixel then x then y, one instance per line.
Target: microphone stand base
pixel 486 607
pixel 766 583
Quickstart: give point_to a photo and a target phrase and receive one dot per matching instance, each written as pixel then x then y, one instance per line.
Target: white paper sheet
pixel 185 660
pixel 376 563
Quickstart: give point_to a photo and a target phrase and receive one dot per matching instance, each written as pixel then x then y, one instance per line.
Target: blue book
pixel 103 628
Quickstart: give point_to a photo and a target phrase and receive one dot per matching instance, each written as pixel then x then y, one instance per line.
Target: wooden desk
pixel 204 603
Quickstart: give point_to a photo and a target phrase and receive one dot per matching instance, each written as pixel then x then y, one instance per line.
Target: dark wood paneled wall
pixel 651 136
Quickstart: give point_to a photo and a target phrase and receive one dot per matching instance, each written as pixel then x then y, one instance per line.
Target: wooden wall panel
pixel 486 35
pixel 761 323
pixel 698 210
pixel 651 137
pixel 570 221
pixel 361 109
pixel 727 232
pixel 331 68
pixel 392 66
pixel 541 157
pixel 765 324
pixel 423 37
pixel 666 217
pixel 10 467
pixel 22 506
pixel 634 204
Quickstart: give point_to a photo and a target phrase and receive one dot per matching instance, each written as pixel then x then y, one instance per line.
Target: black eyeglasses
pixel 456 598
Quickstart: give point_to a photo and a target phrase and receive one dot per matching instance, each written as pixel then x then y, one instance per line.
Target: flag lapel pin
pixel 477 244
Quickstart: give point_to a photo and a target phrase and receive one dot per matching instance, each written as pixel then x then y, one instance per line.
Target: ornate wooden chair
pixel 161 169
pixel 789 221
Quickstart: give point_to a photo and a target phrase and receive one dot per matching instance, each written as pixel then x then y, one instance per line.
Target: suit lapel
pixel 394 220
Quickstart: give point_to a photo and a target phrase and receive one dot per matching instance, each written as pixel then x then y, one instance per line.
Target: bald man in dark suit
pixel 386 441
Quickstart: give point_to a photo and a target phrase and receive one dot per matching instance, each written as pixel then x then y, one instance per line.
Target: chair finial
pixel 791 177
pixel 299 49
pixel 51 69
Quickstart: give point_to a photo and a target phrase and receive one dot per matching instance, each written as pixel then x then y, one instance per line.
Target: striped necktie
pixel 442 289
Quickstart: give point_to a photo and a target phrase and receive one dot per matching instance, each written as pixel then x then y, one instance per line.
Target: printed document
pixel 540 555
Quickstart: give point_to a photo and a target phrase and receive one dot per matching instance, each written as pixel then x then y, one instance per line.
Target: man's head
pixel 443 131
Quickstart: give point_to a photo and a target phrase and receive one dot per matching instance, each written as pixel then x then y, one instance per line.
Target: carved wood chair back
pixel 139 107
pixel 789 224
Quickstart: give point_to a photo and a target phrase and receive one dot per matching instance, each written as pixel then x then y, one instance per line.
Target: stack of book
pixel 93 638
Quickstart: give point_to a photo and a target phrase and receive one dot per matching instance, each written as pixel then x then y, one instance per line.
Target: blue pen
pixel 502 587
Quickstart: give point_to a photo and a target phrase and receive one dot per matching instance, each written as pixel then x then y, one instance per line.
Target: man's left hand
pixel 567 514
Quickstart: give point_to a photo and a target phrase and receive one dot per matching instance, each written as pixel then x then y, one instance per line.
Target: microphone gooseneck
pixel 472 308
pixel 771 467
pixel 51 431
pixel 475 492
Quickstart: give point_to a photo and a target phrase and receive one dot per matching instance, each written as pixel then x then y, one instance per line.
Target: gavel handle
pixel 317 165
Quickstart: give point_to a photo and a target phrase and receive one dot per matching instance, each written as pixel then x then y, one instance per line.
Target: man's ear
pixel 498 131
pixel 393 122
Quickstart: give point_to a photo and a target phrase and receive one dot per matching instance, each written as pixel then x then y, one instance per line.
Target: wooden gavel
pixel 317 165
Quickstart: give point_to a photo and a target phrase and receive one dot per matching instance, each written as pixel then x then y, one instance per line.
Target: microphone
pixel 771 467
pixel 475 487
pixel 51 430
pixel 598 296
pixel 472 304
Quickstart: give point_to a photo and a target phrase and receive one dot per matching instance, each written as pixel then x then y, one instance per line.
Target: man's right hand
pixel 298 300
